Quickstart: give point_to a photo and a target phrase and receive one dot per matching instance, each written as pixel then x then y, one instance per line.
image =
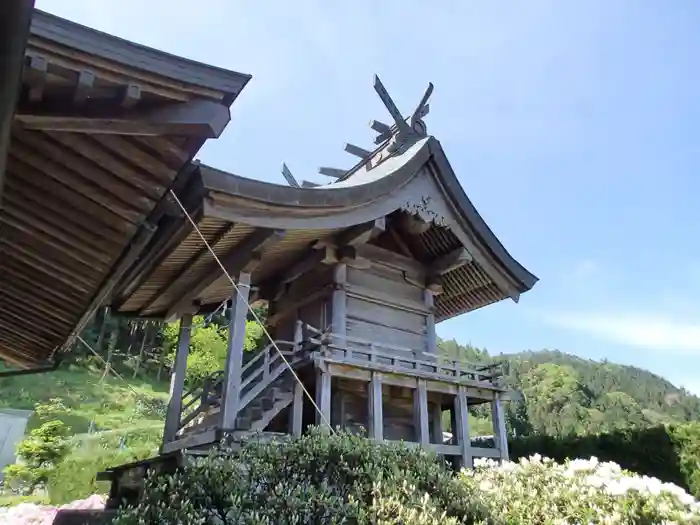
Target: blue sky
pixel 573 126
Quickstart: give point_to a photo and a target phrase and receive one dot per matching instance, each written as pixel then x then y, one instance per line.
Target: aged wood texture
pixel 100 191
pixel 234 352
pixel 371 318
pixel 177 382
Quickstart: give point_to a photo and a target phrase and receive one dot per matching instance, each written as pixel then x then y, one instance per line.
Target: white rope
pixel 255 316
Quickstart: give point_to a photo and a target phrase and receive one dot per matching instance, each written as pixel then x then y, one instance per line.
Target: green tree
pixel 208 345
pixel 42 450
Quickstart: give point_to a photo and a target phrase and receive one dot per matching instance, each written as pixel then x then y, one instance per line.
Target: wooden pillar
pixel 437 421
pixel 234 353
pixel 462 430
pixel 297 410
pixel 429 301
pixel 339 319
pixel 376 410
pixel 177 380
pixel 323 397
pixel 499 427
pixel 420 413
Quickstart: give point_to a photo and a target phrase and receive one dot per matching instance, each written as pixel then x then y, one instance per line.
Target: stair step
pixel 278 393
pixel 243 423
pixel 266 403
pixel 253 412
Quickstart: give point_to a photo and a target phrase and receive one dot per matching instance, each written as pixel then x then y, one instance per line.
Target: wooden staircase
pixel 267 389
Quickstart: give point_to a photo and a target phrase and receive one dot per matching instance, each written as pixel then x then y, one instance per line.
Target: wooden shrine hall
pixel 356 274
pixel 101 204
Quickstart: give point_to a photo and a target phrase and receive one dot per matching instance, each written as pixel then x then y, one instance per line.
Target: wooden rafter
pixel 200 118
pixel 236 260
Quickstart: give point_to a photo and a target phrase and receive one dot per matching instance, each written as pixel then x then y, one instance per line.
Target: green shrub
pixel 41 451
pixel 13 499
pixel 315 479
pixel 75 477
pixel 669 453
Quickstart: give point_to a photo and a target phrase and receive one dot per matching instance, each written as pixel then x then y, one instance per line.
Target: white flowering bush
pixel 344 479
pixel 539 491
pixel 32 514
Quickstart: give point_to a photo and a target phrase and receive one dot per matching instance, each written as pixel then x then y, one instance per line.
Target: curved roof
pixel 414 180
pixel 367 193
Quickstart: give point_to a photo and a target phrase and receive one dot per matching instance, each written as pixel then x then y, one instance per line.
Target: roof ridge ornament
pixel 402 132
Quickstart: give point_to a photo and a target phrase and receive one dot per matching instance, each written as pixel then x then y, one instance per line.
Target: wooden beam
pixel 453 260
pixel 380 127
pixel 86 80
pixel 234 261
pixel 389 258
pixel 420 412
pixel 173 282
pixel 362 233
pixel 339 303
pixel 376 413
pixel 401 243
pixel 15 19
pixel 306 263
pixel 323 397
pixel 499 427
pixel 357 151
pixel 35 73
pixel 234 353
pixel 297 411
pixel 289 177
pixel 462 430
pixel 437 420
pixel 196 118
pixel 130 96
pixel 430 333
pixel 332 172
pixel 177 380
pixel 323 252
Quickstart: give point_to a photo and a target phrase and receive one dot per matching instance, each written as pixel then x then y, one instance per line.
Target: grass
pixel 111 403
pixel 128 419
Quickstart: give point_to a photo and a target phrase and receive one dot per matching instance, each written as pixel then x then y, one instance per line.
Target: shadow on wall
pixel 13 423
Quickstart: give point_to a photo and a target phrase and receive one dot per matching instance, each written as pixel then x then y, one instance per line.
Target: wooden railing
pixel 256 375
pixel 354 350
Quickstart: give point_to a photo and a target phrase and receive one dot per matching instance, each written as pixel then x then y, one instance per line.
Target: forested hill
pixel 565 394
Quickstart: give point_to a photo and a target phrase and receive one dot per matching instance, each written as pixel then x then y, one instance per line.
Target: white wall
pixel 12 426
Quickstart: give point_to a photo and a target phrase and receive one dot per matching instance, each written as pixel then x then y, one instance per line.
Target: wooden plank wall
pixel 351 410
pixel 383 306
pixel 307 299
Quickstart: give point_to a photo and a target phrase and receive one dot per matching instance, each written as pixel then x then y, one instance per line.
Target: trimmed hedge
pixel 669 453
pixel 345 479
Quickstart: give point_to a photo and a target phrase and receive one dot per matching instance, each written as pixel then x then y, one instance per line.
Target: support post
pixel 339 321
pixel 463 439
pixel 376 411
pixel 234 353
pixel 297 410
pixel 437 421
pixel 420 412
pixel 323 397
pixel 429 301
pixel 177 380
pixel 499 427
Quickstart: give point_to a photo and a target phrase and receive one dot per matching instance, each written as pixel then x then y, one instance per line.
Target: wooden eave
pixel 103 129
pixel 236 208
